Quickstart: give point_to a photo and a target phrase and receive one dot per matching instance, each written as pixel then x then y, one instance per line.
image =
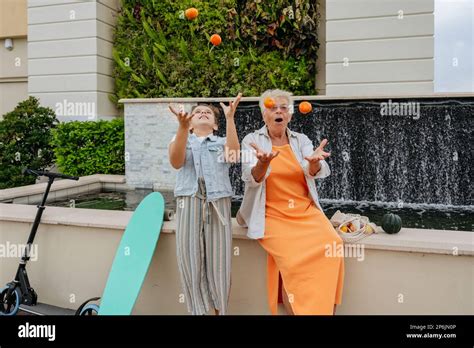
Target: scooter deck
pixel 133 257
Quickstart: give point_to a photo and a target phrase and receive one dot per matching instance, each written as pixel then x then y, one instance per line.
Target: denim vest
pixel 212 165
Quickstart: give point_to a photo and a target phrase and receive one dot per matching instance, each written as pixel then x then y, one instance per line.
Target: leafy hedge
pixel 32 137
pixel 265 44
pixel 86 148
pixel 25 135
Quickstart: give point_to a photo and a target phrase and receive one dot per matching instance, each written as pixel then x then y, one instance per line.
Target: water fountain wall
pixel 391 150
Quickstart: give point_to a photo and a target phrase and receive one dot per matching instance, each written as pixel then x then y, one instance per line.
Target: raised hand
pixel 229 110
pixel 183 118
pixel 262 156
pixel 319 153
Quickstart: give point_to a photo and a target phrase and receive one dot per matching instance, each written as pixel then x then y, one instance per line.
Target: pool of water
pixel 413 215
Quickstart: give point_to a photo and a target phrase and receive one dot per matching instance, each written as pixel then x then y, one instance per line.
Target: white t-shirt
pixel 199 138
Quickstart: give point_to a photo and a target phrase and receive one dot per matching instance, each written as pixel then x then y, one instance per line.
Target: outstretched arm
pixel 316 165
pixel 264 159
pixel 177 149
pixel 232 146
pixel 318 155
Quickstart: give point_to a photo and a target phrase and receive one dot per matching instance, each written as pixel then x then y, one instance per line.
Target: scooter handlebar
pixel 49 174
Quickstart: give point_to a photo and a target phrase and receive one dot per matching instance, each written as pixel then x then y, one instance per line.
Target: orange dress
pixel 301 243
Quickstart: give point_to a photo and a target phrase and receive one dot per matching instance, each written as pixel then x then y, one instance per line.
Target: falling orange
pixel 191 13
pixel 305 107
pixel 269 102
pixel 216 39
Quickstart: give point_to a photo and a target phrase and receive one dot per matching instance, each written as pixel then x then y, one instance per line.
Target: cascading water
pixel 408 151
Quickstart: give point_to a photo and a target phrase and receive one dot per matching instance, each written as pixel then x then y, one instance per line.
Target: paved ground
pixel 44 309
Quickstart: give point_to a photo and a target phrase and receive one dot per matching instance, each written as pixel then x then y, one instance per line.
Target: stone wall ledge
pixel 407 240
pixel 308 97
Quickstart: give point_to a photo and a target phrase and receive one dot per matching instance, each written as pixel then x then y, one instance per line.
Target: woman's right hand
pixel 183 118
pixel 263 157
pixel 259 170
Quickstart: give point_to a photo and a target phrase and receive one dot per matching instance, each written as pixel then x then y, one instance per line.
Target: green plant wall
pixel 265 44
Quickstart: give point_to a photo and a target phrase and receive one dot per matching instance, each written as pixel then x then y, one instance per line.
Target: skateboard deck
pixel 133 257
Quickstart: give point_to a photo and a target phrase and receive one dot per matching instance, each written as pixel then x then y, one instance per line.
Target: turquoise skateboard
pixel 132 259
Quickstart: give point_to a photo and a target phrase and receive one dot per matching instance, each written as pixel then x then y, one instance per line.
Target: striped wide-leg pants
pixel 204 251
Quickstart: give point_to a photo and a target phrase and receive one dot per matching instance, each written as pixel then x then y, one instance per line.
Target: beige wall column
pixel 70 56
pixel 378 47
pixel 14 61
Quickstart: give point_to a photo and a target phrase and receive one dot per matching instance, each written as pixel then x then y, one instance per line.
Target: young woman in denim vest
pixel 203 196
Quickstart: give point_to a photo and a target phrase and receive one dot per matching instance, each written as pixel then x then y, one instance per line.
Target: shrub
pixel 25 136
pixel 86 148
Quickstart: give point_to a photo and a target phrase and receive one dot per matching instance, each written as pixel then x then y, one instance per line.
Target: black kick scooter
pixel 19 290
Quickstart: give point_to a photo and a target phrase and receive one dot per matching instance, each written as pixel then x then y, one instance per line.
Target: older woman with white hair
pixel 281 210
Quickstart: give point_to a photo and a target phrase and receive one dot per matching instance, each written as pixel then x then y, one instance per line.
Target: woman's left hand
pixel 319 154
pixel 229 111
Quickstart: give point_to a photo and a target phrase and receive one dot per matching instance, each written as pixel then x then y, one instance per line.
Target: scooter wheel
pixel 90 309
pixel 10 305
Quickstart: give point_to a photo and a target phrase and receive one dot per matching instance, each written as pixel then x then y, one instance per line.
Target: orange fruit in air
pixel 269 102
pixel 191 13
pixel 305 107
pixel 216 40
